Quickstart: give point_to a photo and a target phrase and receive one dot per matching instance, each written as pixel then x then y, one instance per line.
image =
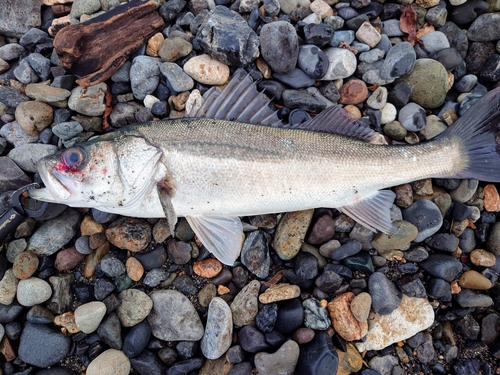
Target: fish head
pixel 112 173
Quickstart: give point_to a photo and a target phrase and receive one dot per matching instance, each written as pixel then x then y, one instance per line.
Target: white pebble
pixel 389 113
pixel 194 102
pixel 149 100
pixel 33 291
pixel 206 70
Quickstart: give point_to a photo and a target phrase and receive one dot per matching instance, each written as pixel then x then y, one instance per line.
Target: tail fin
pixel 479 131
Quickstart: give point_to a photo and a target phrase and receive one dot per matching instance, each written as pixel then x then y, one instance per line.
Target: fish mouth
pixel 55 189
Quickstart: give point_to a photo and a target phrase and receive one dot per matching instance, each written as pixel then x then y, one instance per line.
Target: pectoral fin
pixel 168 208
pixel 373 212
pixel 222 236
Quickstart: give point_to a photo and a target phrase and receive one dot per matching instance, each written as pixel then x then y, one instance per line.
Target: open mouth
pixel 55 190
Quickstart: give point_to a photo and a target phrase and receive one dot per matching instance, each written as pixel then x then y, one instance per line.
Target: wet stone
pixel 443 266
pixel 412 117
pixel 179 252
pixel 412 287
pixel 290 316
pixel 252 340
pixel 306 266
pixel 359 262
pixel 255 254
pixel 129 233
pixel 266 317
pixel 318 357
pixel 151 259
pixel 426 216
pixel 147 363
pixel 386 297
pixel 245 305
pixel 134 307
pixel 25 265
pixel 343 321
pixel 68 259
pixel 291 232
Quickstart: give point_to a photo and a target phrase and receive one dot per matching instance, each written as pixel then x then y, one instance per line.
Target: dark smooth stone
pixel 443 241
pixel 400 94
pixel 467 241
pixel 467 12
pixel 103 287
pixel 235 354
pixel 318 357
pixel 348 249
pixel 147 363
pixel 83 292
pixel 359 262
pixel 185 285
pixel 13 330
pixel 298 116
pixel 183 367
pixel 449 183
pixel 290 316
pixel 306 265
pixel 252 340
pixel 255 254
pixel 297 79
pixel 347 13
pixel 186 349
pixel 329 281
pixel 372 10
pixel 490 73
pixel 56 370
pixel 466 367
pixel 243 368
pixel 39 315
pixel 266 317
pixel 154 258
pixel 167 355
pixel 271 88
pixel 110 331
pixel 442 266
pixel 461 211
pixel 412 287
pixel 275 338
pixel 439 289
pixel 318 34
pixel 102 217
pixel 339 269
pixel 477 55
pixel 449 57
pixel 468 327
pixel 386 297
pixel 294 279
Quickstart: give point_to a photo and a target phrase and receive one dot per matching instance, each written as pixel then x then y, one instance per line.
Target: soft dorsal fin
pixel 239 101
pixel 373 212
pixel 336 120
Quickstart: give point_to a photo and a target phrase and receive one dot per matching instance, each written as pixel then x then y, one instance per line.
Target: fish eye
pixel 74 157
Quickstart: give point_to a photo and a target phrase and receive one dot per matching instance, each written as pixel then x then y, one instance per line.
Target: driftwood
pixel 95 49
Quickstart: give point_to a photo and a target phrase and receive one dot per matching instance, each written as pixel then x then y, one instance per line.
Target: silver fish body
pixel 212 170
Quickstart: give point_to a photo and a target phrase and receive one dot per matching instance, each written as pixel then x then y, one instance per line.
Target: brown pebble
pixel 130 233
pixel 303 335
pixel 350 361
pixel 25 265
pixel 404 195
pixel 482 258
pixel 207 268
pixel 154 44
pixel 454 287
pixel 343 321
pixel 179 101
pixel 67 322
pixel 221 290
pixel 353 92
pixel 92 260
pixel 279 292
pixel 7 350
pixel 360 306
pixel 174 48
pixel 474 280
pixel 491 198
pixel 96 240
pixel 161 230
pixel 263 67
pixel 89 226
pixel 135 270
pixel 322 231
pixel 68 259
pixel 353 111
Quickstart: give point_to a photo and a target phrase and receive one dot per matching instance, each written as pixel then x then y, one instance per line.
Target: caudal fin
pixel 479 133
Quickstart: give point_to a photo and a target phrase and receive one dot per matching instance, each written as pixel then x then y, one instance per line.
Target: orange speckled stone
pixel 207 268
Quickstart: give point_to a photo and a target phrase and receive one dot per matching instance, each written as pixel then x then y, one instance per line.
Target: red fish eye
pixel 74 157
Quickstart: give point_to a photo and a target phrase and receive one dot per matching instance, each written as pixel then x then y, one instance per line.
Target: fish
pixel 233 157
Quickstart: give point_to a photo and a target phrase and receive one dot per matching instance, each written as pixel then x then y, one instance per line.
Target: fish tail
pixel 478 132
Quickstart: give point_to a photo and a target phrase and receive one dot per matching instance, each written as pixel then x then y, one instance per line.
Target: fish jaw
pixel 55 190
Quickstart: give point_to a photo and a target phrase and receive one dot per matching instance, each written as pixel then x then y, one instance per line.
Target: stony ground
pixel 314 292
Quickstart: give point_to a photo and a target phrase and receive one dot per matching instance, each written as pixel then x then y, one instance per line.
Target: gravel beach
pixel 313 292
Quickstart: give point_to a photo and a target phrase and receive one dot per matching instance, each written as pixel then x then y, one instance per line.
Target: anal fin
pixel 373 212
pixel 168 208
pixel 222 236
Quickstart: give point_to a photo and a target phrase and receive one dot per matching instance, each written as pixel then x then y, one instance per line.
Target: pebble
pixel 206 70
pixel 353 92
pixel 290 316
pixel 426 216
pixel 134 269
pixel 89 315
pixel 13 133
pixel 68 259
pixel 412 316
pixel 245 305
pixel 176 77
pixel 33 291
pixel 89 101
pixel 468 298
pixel 474 280
pixel 405 233
pixel 482 258
pixel 136 339
pixel 317 34
pixel 227 37
pixel 218 330
pixel 135 306
pixel 279 46
pixel 8 287
pixel 47 94
pixel 443 266
pixel 297 79
pixel 493 241
pixel 255 254
pixel 318 357
pixel 128 233
pixel 174 48
pixel 386 297
pixel 342 36
pixel 315 316
pixel 464 191
pixel 42 346
pixel 484 28
pixel 25 265
pixel 368 34
pixel 429 83
pixel 291 232
pixel 279 292
pixel 173 317
pixel 266 317
pixel 11 51
pixel 378 99
pixel 343 321
pixel 207 268
pixel 33 116
pixel 360 306
pixel 342 63
pixel 109 362
pixel 179 252
pixel 144 76
pixel 412 117
pixel 491 198
pixel 282 362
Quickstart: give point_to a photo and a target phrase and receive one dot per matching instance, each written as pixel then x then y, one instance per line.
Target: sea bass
pixel 238 160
